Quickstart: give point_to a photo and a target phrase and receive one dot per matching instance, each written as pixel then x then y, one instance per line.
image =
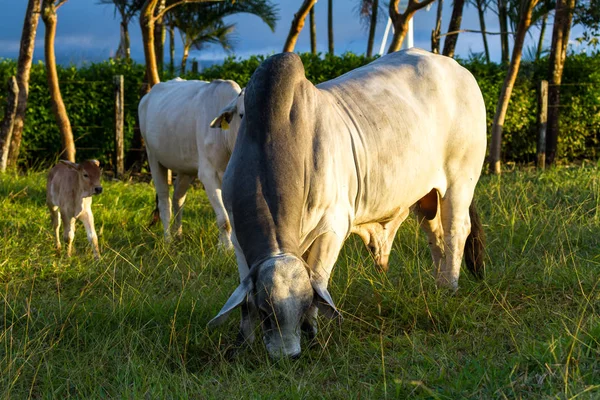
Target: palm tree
pixel 368 11
pixel 482 6
pixel 127 10
pixel 453 28
pixel 201 24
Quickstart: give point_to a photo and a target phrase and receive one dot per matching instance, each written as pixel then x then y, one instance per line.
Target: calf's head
pixel 281 290
pixel 89 174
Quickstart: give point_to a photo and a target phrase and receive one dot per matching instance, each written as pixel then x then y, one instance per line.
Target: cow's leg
pixel 69 232
pixel 456 224
pixel 161 185
pixel 321 258
pixel 212 186
pixel 88 222
pixel 179 194
pixel 55 217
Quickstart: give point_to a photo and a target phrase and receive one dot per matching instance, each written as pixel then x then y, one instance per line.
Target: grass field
pixel 133 324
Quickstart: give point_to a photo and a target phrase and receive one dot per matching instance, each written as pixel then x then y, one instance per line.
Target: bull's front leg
pixel 212 186
pixel 179 194
pixel 321 258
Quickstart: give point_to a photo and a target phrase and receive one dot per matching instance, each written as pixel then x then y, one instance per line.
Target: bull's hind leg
pixel 179 194
pixel 55 217
pixel 161 185
pixel 456 223
pixel 428 214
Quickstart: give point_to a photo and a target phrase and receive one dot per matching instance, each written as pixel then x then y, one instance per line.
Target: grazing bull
pixel 175 120
pixel 351 155
pixel 69 193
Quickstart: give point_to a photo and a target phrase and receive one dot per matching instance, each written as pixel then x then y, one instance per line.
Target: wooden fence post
pixel 6 127
pixel 119 126
pixel 542 123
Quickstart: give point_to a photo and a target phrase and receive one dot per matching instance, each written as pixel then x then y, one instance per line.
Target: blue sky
pixel 88 31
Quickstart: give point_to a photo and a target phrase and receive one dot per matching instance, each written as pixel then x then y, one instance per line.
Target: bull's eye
pixel 241 115
pixel 86 176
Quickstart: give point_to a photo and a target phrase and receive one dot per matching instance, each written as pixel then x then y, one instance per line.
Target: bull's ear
pixel 323 301
pixel 69 164
pixel 236 299
pixel 223 120
pixel 96 162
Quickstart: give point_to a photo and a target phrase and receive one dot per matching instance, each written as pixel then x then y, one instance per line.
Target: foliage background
pixel 88 94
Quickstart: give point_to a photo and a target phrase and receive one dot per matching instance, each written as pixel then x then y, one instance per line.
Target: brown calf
pixel 69 196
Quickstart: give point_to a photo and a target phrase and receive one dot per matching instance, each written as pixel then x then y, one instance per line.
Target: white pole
pixel 385 36
pixel 411 38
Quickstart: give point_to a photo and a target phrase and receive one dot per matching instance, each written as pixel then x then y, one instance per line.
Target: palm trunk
pixel 23 71
pixel 186 52
pixel 171 49
pixel 159 37
pixel 58 106
pixel 372 28
pixel 297 25
pixel 435 34
pixel 330 26
pixel 8 121
pixel 509 82
pixel 558 54
pixel 124 50
pixel 540 46
pixel 313 31
pixel 453 27
pixel 481 13
pixel 502 16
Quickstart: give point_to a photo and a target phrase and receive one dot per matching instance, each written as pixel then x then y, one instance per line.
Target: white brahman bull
pixel 351 155
pixel 178 124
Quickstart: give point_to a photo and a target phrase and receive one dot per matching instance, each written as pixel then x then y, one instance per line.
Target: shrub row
pixel 88 94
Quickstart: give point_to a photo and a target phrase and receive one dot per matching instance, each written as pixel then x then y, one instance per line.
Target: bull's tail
pixel 474 246
pixel 155 214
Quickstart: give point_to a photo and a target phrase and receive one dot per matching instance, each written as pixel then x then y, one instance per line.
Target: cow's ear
pixel 235 300
pixel 223 120
pixel 70 164
pixel 322 299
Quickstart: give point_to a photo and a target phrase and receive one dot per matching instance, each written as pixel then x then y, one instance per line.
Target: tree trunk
pixel 147 26
pixel 437 31
pixel 558 53
pixel 124 50
pixel 186 52
pixel 8 121
pixel 297 24
pixel 453 26
pixel 509 82
pixel 23 69
pixel 481 13
pixel 400 21
pixel 503 16
pixel 540 46
pixel 330 26
pixel 372 28
pixel 171 29
pixel 313 31
pixel 58 106
pixel 159 36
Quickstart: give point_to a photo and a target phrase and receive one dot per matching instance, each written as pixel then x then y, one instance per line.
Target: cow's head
pixel 89 174
pixel 282 290
pixel 230 117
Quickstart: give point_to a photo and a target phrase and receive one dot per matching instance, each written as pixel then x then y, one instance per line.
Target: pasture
pixel 133 324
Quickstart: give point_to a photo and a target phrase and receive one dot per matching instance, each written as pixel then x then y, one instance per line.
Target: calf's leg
pixel 55 217
pixel 88 222
pixel 69 232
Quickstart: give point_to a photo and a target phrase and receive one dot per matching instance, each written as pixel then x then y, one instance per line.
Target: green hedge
pixel 88 95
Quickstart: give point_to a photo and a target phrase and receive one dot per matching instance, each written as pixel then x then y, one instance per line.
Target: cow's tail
pixel 155 214
pixel 474 246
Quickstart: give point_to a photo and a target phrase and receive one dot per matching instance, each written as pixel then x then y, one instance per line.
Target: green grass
pixel 133 324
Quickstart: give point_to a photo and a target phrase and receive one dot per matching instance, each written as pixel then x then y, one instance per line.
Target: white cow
pixel 178 124
pixel 353 155
pixel 69 191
